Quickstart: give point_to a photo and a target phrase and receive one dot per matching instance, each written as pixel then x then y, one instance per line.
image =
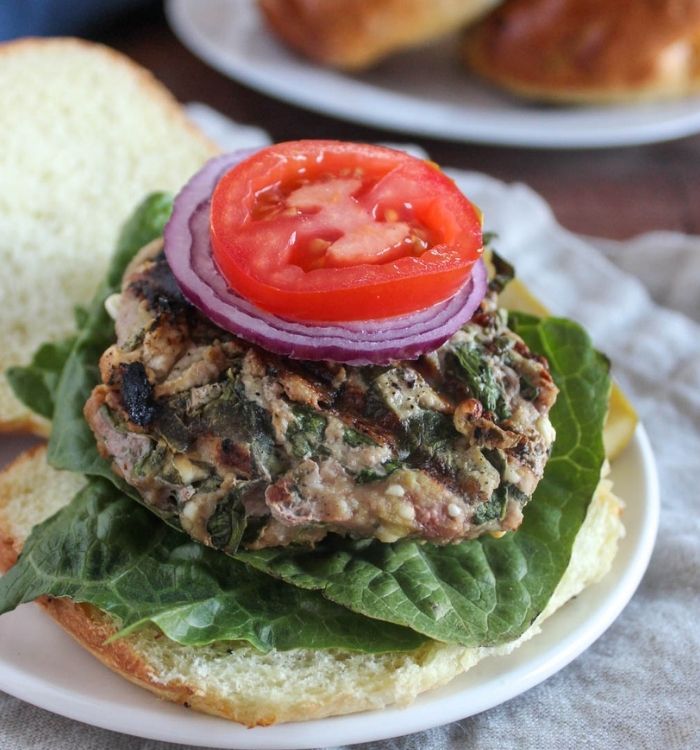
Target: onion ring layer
pixel 189 254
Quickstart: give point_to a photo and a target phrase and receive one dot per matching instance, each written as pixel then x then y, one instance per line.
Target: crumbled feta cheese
pixel 112 304
pixel 453 510
pixel 544 426
pixel 190 511
pixel 407 512
pixel 510 474
pixel 188 471
pixel 395 490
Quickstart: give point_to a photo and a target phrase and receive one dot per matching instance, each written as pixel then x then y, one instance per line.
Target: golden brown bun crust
pixel 91 629
pixel 354 34
pixel 589 50
pixel 31 424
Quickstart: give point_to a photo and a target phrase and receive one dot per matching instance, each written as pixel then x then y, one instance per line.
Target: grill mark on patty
pixel 137 393
pixel 399 439
pixel 158 287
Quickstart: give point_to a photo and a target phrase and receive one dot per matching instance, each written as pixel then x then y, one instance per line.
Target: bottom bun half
pixel 241 683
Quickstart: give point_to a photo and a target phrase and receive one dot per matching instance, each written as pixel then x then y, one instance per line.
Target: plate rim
pixel 359 727
pixel 491 131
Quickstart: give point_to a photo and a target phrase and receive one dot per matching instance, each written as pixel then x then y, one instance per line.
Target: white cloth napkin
pixel 638 686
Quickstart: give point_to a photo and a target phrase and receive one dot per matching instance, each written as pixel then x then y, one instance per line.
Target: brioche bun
pixel 355 34
pixel 589 51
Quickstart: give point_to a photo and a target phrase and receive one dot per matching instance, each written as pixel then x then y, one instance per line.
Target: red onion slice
pixel 188 250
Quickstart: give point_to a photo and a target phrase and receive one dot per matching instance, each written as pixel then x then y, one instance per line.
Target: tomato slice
pixel 322 231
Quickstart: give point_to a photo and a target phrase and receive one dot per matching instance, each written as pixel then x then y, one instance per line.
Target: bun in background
pixel 355 34
pixel 589 51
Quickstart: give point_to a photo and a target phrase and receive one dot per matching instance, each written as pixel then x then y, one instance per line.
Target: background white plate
pixel 422 92
pixel 42 665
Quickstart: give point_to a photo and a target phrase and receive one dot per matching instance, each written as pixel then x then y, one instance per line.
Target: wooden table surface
pixel 614 193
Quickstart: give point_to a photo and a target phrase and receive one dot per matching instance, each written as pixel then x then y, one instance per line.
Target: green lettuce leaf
pixel 35 385
pixel 483 592
pixel 72 445
pixel 486 591
pixel 106 550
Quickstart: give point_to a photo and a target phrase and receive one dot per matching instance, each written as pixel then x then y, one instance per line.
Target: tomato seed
pixel 318 246
pixel 419 245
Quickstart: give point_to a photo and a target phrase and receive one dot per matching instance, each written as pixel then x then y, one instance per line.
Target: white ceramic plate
pixel 424 92
pixel 42 665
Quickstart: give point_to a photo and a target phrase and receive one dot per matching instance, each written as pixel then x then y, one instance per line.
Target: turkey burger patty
pixel 242 447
